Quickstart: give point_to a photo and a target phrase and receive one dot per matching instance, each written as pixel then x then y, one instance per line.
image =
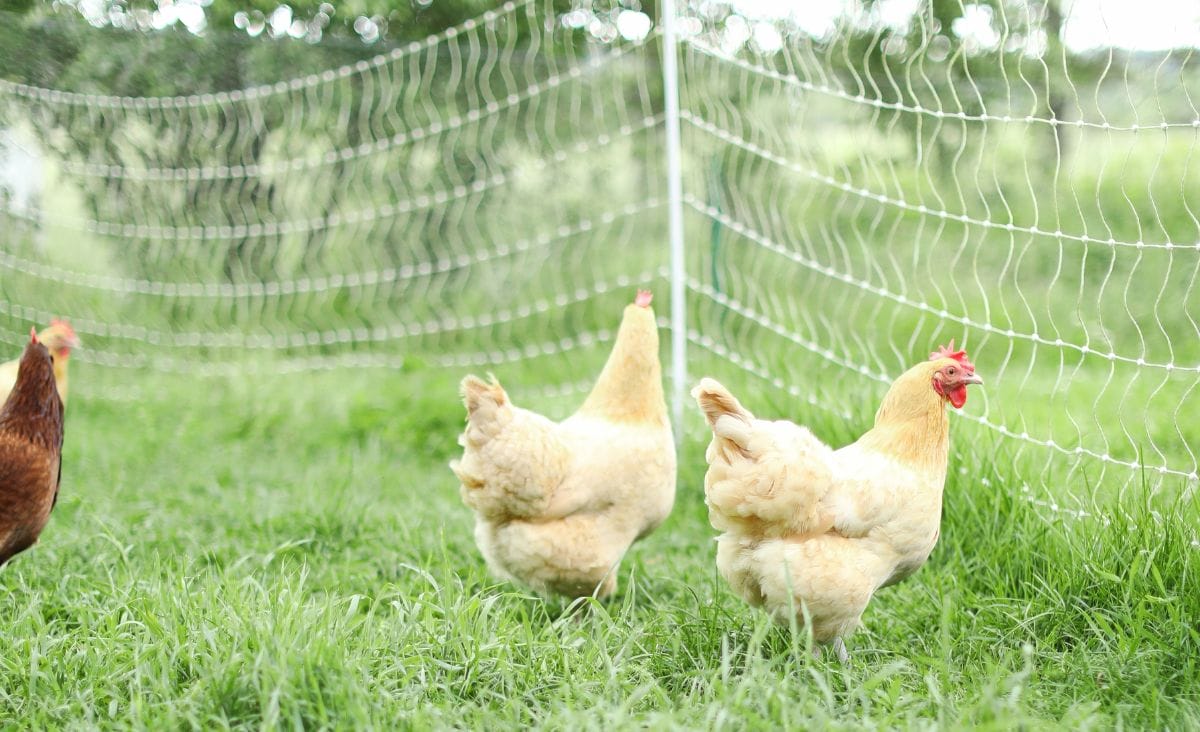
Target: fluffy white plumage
pixel 808 526
pixel 558 504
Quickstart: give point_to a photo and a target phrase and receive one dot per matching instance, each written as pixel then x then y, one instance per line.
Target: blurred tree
pixel 75 45
pixel 966 57
pixel 144 48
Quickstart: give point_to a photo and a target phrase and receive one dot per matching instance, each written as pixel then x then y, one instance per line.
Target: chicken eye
pixel 950 371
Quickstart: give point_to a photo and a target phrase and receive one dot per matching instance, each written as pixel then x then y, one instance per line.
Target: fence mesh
pixel 484 196
pixel 857 187
pixel 857 196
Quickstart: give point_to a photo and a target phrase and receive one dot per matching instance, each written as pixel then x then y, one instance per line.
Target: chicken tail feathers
pixel 716 401
pixel 488 408
pixel 479 394
pixel 764 477
pixel 730 422
pixel 513 460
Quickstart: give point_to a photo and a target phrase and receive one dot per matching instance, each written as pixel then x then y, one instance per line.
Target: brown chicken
pixel 31 438
pixel 809 527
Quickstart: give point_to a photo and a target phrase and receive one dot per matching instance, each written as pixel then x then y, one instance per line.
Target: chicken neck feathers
pixel 629 388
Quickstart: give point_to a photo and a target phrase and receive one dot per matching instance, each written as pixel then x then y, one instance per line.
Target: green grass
pixel 292 553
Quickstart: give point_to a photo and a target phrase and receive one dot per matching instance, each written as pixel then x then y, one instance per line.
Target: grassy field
pixel 293 553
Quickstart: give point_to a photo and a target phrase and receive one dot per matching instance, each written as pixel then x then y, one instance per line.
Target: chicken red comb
pixel 949 352
pixel 33 335
pixel 643 298
pixel 64 325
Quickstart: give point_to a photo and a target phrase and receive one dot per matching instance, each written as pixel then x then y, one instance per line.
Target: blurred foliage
pixel 964 69
pixel 119 51
pixel 57 48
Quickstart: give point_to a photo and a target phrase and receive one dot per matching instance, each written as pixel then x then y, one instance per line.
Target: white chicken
pixel 558 504
pixel 805 526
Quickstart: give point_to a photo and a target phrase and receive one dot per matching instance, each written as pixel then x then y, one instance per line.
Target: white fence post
pixel 675 214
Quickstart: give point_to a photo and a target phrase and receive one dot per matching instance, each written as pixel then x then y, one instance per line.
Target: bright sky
pixel 1134 24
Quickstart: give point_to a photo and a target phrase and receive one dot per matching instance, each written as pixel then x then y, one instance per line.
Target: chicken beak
pixel 973 379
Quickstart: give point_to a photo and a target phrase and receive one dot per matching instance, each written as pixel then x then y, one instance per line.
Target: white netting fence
pixel 856 188
pixel 483 196
pixel 904 180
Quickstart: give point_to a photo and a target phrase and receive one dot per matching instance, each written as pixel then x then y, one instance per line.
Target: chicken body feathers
pixel 764 476
pixel 31 438
pixel 29 480
pixel 558 504
pixel 514 460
